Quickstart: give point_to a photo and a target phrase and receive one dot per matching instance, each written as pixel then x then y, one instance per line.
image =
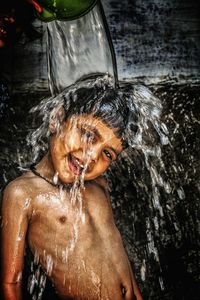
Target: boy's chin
pixel 85 177
pixel 91 177
pixel 72 178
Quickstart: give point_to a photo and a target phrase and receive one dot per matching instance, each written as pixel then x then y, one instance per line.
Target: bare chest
pixel 75 239
pixel 59 218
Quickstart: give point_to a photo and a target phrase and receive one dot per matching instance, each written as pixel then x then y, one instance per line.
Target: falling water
pixel 78 48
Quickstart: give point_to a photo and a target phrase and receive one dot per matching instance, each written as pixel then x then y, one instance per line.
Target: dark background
pixel 157 42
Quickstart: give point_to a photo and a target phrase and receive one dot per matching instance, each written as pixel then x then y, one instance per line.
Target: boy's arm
pixel 13 233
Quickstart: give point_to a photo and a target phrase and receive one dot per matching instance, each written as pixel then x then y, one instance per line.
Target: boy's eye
pixel 108 154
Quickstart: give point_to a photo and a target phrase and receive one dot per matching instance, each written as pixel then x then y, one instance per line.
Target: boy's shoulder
pixel 99 181
pixel 97 194
pixel 98 185
pixel 102 183
pixel 20 187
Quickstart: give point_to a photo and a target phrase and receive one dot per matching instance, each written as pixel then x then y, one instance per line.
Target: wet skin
pixel 79 248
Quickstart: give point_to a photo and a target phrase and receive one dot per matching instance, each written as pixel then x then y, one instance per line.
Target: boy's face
pixel 84 144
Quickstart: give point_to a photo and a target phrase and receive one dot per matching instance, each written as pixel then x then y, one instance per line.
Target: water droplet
pixel 27 202
pixel 161 283
pixel 143 270
pixel 49 264
pixel 181 193
pixel 55 178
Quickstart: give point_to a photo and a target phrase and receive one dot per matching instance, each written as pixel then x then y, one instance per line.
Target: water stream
pixel 78 48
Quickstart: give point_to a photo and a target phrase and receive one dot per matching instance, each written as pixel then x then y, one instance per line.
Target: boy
pixel 70 230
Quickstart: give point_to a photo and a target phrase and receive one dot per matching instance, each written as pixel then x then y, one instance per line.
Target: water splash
pixel 138 99
pixel 36 282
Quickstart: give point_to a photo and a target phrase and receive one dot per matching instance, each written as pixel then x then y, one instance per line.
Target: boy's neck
pixel 45 170
pixel 45 167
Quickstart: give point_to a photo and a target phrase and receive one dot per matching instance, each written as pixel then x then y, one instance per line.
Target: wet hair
pixel 100 98
pixel 131 110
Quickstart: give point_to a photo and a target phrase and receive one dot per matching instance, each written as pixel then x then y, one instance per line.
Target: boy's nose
pixel 91 164
pixel 93 155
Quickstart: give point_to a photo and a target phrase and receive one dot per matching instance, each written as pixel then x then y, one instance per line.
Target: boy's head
pixel 98 97
pixel 88 130
pixel 91 122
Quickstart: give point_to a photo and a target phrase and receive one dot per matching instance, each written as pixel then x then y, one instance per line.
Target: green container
pixel 64 9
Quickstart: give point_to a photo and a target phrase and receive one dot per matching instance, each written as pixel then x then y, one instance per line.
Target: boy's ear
pixel 56 119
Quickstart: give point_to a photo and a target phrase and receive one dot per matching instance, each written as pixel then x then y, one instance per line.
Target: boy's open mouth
pixel 76 166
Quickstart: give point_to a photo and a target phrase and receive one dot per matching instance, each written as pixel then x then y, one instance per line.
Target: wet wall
pixel 156 39
pixel 156 42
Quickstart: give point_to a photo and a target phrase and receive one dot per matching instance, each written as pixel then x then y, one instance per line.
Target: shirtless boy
pixel 75 241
